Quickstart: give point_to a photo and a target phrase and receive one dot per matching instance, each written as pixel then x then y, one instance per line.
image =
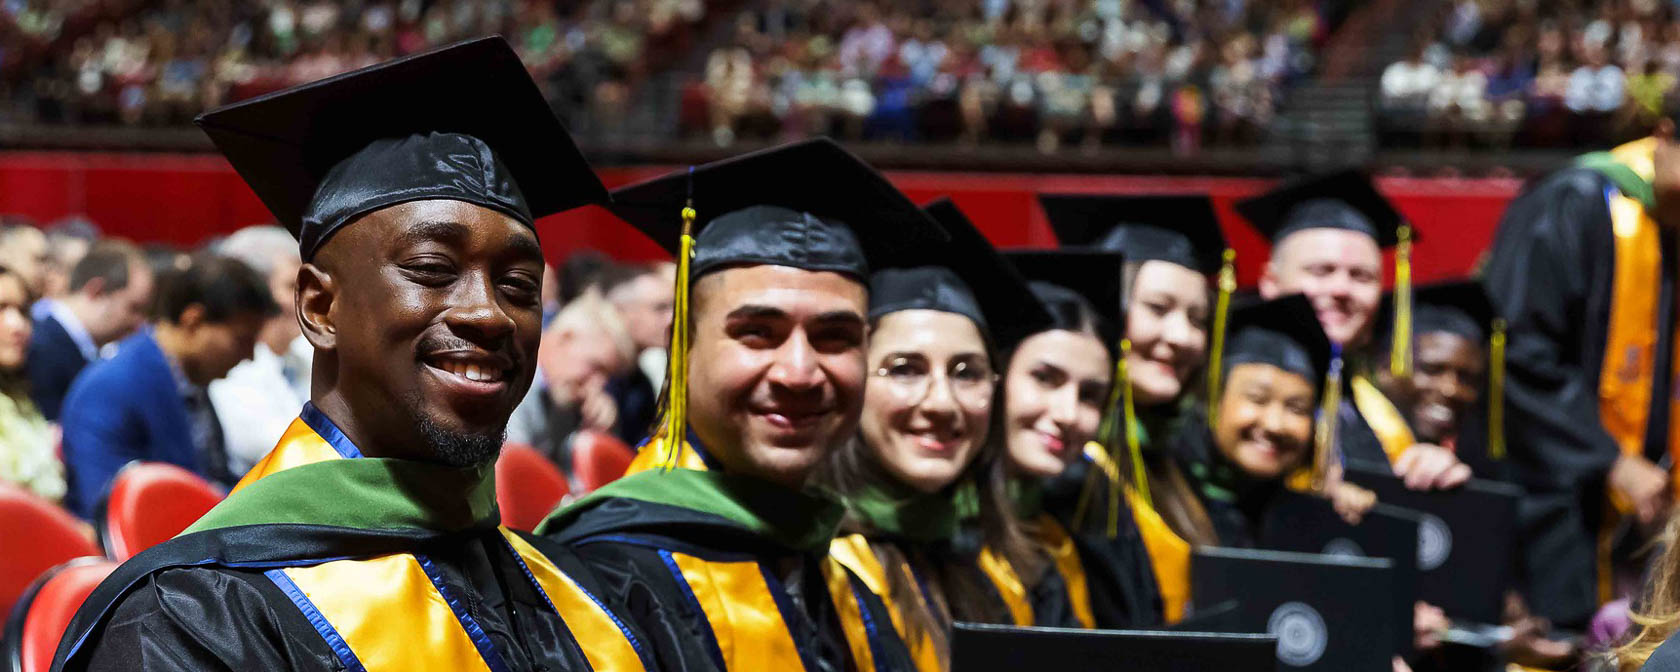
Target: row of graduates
pixel 875 424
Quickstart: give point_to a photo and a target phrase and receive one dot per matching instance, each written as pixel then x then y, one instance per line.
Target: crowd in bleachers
pixel 162 63
pixel 1546 74
pixel 1023 70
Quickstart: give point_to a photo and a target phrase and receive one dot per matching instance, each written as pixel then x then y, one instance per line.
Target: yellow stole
pixel 1384 419
pixel 648 458
pixel 1169 554
pixel 1624 383
pixel 853 551
pixel 388 613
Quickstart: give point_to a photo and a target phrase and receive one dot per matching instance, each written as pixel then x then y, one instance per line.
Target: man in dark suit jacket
pixel 642 295
pixel 110 291
pixel 148 401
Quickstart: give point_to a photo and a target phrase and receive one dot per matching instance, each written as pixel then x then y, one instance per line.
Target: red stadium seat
pixel 42 615
pixel 148 504
pixel 598 458
pixel 37 535
pixel 528 486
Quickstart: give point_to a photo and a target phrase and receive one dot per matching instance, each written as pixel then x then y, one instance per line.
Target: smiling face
pixel 776 367
pixel 1445 383
pixel 1166 321
pixel 1053 397
pixel 1340 271
pixel 927 407
pixel 425 317
pixel 1265 420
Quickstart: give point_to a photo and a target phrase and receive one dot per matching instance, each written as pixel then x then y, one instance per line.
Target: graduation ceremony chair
pixel 44 612
pixel 598 458
pixel 528 486
pixel 147 504
pixel 53 537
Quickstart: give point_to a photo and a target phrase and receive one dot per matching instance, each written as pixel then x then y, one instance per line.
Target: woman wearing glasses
pixel 923 482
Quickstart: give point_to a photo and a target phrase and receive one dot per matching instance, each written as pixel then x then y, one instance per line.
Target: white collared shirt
pixel 255 403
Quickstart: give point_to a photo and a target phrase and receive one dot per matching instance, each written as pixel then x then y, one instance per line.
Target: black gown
pixel 1118 572
pixel 1235 504
pixel 1550 272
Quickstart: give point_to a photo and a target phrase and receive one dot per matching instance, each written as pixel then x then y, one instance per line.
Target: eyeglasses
pixel 970 382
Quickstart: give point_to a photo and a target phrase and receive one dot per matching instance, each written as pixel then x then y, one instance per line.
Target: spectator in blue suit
pixel 148 402
pixel 110 291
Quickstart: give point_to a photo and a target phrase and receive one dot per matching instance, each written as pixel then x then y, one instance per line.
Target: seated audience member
pixel 584 347
pixel 23 248
pixel 148 402
pixel 642 297
pixel 68 241
pixel 110 291
pixel 256 402
pixel 26 441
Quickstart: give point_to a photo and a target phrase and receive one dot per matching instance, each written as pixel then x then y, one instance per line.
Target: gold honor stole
pixel 1169 554
pixel 1624 383
pixel 854 553
pixel 392 612
pixel 1384 419
pixel 747 609
pixel 1056 543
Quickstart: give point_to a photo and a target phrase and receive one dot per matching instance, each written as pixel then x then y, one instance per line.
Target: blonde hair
pixel 1658 617
pixel 590 312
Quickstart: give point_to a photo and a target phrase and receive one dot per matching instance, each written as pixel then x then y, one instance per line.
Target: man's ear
pixel 94 288
pixel 192 317
pixel 1664 129
pixel 1268 284
pixel 317 294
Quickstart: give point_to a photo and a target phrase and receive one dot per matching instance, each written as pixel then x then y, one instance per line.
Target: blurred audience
pixel 23 248
pixel 110 290
pixel 27 455
pixel 585 346
pixel 68 241
pixel 642 295
pixel 259 398
pixel 148 402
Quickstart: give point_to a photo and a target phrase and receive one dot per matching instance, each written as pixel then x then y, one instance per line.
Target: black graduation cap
pixel 462 122
pixel 967 277
pixel 1465 538
pixel 809 205
pixel 977 647
pixel 1084 276
pixel 1282 332
pixel 1341 200
pixel 1182 230
pixel 1460 307
pixel 1320 607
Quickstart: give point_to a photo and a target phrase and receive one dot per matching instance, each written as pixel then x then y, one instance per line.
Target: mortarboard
pixel 463 122
pixel 809 205
pixel 1462 307
pixel 1318 606
pixel 967 277
pixel 1182 230
pixel 1349 201
pixel 977 647
pixel 1285 333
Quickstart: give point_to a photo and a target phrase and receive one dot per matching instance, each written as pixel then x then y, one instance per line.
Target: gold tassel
pixel 1325 439
pixel 1400 359
pixel 1140 474
pixel 1216 352
pixel 675 427
pixel 1496 391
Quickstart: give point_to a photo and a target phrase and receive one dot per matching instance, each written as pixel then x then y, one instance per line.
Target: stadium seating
pixel 598 458
pixel 528 487
pixel 53 535
pixel 147 504
pixel 40 618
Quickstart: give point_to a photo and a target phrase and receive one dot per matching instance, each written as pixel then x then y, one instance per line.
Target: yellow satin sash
pixel 1056 542
pixel 1384 419
pixel 850 613
pixel 391 616
pixel 854 552
pixel 1169 554
pixel 746 623
pixel 1008 584
pixel 648 457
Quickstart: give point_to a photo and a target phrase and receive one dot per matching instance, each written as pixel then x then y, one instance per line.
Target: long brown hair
pixel 1658 616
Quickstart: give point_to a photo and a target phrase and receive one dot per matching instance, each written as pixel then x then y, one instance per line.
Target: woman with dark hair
pixel 921 481
pixel 27 457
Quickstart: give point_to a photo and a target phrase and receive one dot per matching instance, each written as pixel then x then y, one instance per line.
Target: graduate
pixel 1582 268
pixel 369 538
pixel 1056 386
pixel 927 449
pixel 715 547
pixel 1327 234
pixel 1179 274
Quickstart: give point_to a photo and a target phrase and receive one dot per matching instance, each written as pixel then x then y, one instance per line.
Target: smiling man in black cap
pixel 369 539
pixel 712 544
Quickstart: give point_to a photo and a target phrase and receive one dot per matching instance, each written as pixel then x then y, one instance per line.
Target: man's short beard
pixel 456 449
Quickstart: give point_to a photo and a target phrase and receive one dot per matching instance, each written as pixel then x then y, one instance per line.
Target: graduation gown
pixel 1118 576
pixel 725 572
pixel 1235 503
pixel 1552 271
pixel 325 560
